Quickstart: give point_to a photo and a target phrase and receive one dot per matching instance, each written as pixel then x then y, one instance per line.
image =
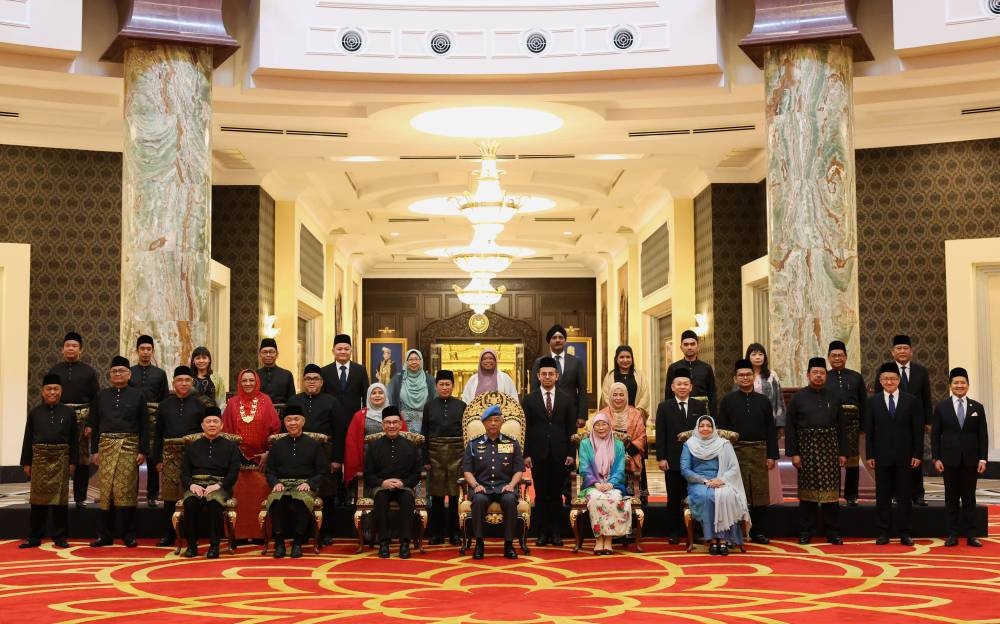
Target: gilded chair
pixel 513 427
pixel 689 520
pixel 578 505
pixel 228 509
pixel 264 517
pixel 366 504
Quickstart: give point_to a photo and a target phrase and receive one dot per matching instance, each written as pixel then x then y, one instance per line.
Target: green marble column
pixel 811 204
pixel 166 199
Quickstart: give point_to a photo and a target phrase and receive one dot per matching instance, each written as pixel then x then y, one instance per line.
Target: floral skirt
pixel 610 513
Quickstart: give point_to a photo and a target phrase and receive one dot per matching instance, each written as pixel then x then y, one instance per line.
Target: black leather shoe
pixel 166 541
pixel 673 539
pixel 919 502
pixel 30 543
pixel 951 541
pixel 383 550
pixel 213 551
pixel 542 540
pixel 296 550
pixel 191 551
pixel 974 542
pixel 61 542
pixel 723 550
pixel 852 502
pixel 760 538
pixel 130 542
pixel 556 540
pixel 836 540
pixel 81 505
pixel 906 540
pixel 455 540
pixel 325 540
pixel 279 549
pixel 152 502
pixel 404 549
pixel 882 540
pixel 479 551
pixel 713 549
pixel 804 539
pixel 508 550
pixel 97 543
pixel 435 541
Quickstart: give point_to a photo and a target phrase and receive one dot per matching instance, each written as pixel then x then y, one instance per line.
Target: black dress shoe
pixel 455 540
pixel 542 540
pixel 383 550
pixel 81 505
pixel 130 542
pixel 723 550
pixel 213 552
pixel 296 550
pixel 836 540
pixel 404 549
pixel 804 539
pixel 100 541
pixel 713 549
pixel 153 502
pixel 479 551
pixel 556 540
pixel 30 543
pixel 919 502
pixel 760 538
pixel 974 542
pixel 852 502
pixel 508 550
pixel 61 542
pixel 906 540
pixel 325 540
pixel 166 541
pixel 279 549
pixel 951 541
pixel 882 540
pixel 191 551
pixel 436 540
pixel 673 539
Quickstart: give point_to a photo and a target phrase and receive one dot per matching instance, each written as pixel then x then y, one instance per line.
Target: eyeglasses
pixel 269 352
pixel 744 374
pixel 312 378
pixel 119 371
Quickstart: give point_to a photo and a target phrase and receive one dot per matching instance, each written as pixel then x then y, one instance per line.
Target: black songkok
pixel 837 345
pixel 182 370
pixel 143 339
pixel 817 362
pixel 120 361
pixel 341 339
pixel 51 379
pixel 446 375
pixel 901 339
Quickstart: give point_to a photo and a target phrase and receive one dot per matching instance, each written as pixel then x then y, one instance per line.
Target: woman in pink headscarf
pixel 488 378
pixel 602 470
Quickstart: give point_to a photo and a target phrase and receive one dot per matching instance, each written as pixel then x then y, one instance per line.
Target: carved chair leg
pixel 175 521
pixel 421 527
pixel 524 536
pixel 574 522
pixel 637 532
pixel 466 538
pixel 265 530
pixel 231 530
pixel 357 527
pixel 319 524
pixel 689 525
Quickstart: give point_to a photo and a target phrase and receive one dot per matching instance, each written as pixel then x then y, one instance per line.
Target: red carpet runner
pixel 782 582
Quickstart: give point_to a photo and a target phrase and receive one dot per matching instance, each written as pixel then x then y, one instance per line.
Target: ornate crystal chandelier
pixel 479 293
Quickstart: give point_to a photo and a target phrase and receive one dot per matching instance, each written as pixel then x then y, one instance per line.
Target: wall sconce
pixel 701 325
pixel 270 331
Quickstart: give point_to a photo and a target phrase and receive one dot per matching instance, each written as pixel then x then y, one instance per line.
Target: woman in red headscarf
pixel 250 415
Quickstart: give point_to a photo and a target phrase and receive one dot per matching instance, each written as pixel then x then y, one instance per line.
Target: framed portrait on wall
pixel 384 358
pixel 581 348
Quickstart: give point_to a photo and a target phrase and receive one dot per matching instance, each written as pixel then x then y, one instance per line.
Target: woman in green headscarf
pixel 411 389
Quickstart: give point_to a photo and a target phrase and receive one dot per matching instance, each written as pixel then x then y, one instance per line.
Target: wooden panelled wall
pixel 409 305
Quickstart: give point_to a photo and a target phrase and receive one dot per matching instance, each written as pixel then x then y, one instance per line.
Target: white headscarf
pixel 731 499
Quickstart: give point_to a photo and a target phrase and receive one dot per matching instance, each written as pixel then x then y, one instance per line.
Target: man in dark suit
pixel 572 372
pixel 894 445
pixel 674 416
pixel 550 415
pixel 959 448
pixel 344 379
pixel 913 379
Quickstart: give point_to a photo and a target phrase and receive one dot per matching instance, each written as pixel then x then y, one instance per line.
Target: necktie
pixel 548 403
pixel 559 364
pixel 892 406
pixel 343 377
pixel 904 381
pixel 683 410
pixel 961 413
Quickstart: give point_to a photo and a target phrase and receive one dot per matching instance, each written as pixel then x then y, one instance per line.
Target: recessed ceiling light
pixel 393 233
pixel 362 159
pixel 615 156
pixel 567 233
pixel 486 122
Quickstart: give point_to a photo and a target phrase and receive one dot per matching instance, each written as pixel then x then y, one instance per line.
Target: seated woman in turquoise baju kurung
pixel 715 489
pixel 602 468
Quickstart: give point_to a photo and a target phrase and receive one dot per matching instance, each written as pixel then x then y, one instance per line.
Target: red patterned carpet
pixel 782 582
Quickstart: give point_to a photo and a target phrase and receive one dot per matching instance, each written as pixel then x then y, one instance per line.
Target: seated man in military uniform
pixel 493 466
